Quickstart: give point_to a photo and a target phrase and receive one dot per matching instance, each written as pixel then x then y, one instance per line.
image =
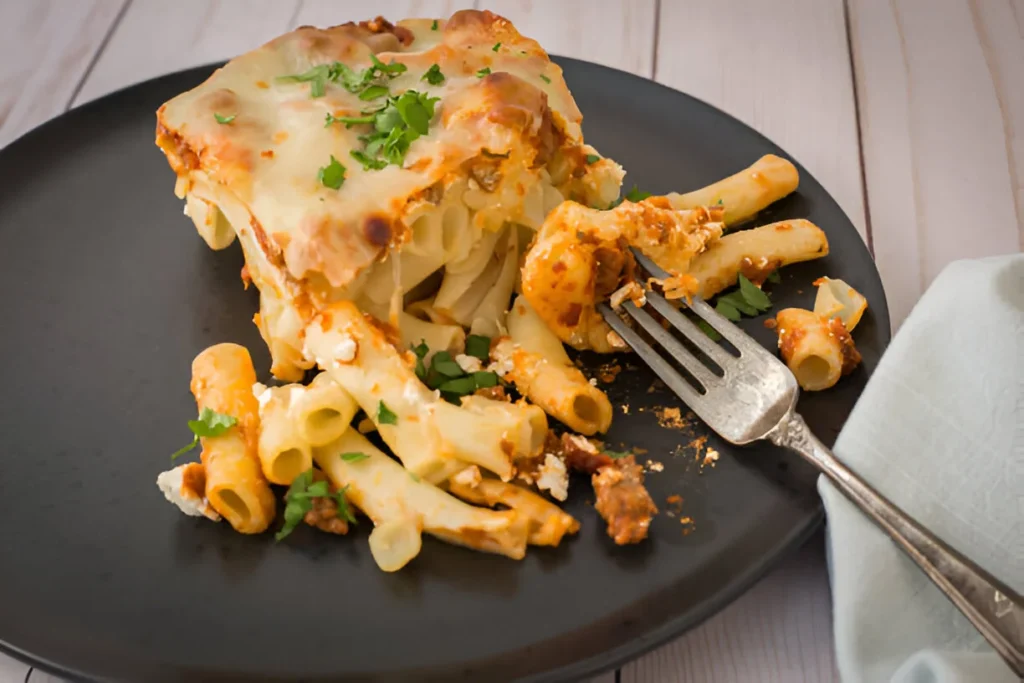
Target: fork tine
pixel 661 367
pixel 649 265
pixel 686 327
pixel 743 342
pixel 672 346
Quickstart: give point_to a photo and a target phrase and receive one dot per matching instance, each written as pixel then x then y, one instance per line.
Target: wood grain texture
pixel 156 37
pixel 942 120
pixel 778 632
pixel 46 46
pixel 782 67
pixel 332 12
pixel 616 33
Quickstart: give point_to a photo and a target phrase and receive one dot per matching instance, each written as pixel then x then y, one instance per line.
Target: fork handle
pixel 994 609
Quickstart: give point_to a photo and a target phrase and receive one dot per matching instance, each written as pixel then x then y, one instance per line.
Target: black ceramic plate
pixel 108 293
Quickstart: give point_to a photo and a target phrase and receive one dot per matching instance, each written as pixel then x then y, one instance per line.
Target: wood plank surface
pixel 782 67
pixel 778 632
pixel 156 38
pixel 940 87
pixel 616 33
pixel 332 12
pixel 46 46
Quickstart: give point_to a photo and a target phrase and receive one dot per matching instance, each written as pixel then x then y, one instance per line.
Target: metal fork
pixel 755 398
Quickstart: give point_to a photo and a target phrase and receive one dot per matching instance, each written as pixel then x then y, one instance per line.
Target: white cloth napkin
pixel 939 430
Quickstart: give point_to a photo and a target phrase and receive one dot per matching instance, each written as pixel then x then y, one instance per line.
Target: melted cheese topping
pixel 269 155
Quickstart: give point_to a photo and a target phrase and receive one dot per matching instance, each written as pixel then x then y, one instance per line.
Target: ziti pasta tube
pixel 744 194
pixel 817 350
pixel 222 379
pixel 402 505
pixel 756 253
pixel 541 370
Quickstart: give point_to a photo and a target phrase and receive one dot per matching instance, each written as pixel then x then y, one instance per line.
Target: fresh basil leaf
pixel 593 158
pixel 433 27
pixel 421 350
pixel 385 416
pixel 483 72
pixel 224 119
pixel 332 175
pixel 478 346
pixel 354 457
pixel 497 46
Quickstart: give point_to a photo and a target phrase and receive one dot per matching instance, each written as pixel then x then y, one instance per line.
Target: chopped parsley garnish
pixel 497 46
pixel 634 195
pixel 443 364
pixel 299 501
pixel 373 92
pixel 415 477
pixel 748 299
pixel 461 386
pixel 447 376
pixel 478 346
pixel 774 277
pixel 433 76
pixel 385 416
pixel 224 119
pixel 369 163
pixel 332 175
pixel 396 124
pixel 708 330
pixel 593 158
pixel 433 27
pixel 209 423
pixel 545 78
pixel 421 350
pixel 720 202
pixel 485 379
pixel 616 455
pixel 392 69
pixel 355 82
pixel 354 457
pixel 483 72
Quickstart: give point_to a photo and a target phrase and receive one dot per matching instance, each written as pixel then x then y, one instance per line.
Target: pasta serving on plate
pixel 427 229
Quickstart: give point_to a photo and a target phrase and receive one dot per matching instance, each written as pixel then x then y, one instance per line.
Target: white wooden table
pixel 910 112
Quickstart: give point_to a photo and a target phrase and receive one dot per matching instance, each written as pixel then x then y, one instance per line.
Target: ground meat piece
pixel 623 501
pixel 324 515
pixel 579 454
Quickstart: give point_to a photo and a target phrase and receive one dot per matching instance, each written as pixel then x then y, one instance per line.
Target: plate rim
pixel 671 628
